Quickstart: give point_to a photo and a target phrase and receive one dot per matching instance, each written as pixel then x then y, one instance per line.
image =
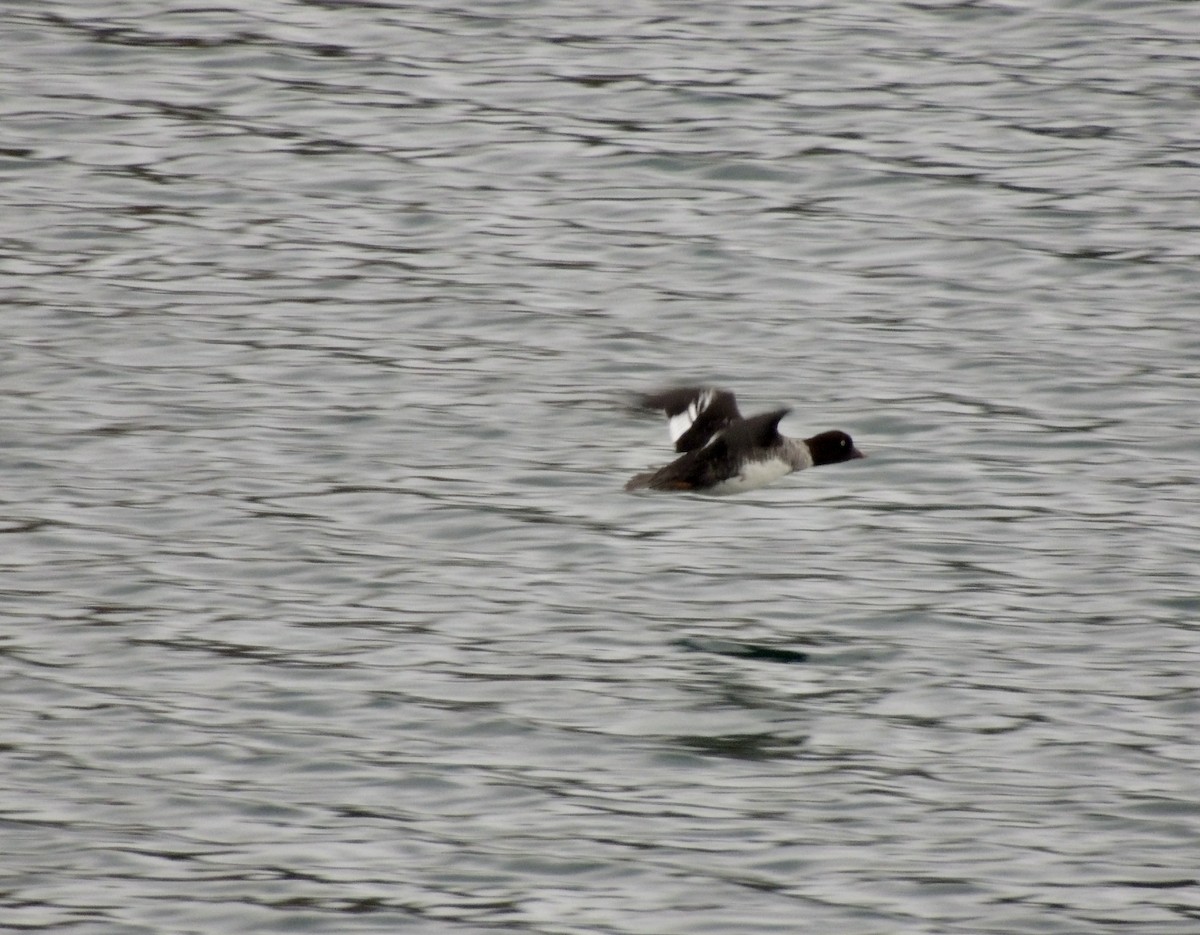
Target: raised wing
pixel 694 413
pixel 756 433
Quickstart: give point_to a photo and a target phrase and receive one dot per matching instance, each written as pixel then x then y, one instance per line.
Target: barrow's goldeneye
pixel 721 452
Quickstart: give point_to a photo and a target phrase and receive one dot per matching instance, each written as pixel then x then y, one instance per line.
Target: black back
pixel 720 460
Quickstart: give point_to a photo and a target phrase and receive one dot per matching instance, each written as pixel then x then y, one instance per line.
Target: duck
pixel 722 452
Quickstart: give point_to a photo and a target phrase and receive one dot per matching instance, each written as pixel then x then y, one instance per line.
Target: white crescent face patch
pixel 677 425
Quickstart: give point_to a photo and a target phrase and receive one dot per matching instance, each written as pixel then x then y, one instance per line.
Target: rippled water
pixel 323 607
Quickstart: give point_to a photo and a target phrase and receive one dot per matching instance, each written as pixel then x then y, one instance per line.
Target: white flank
pixel 754 474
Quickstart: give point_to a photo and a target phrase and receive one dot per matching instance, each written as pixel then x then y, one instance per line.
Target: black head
pixel 832 448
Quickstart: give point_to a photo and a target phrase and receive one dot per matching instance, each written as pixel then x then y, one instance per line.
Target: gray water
pixel 323 608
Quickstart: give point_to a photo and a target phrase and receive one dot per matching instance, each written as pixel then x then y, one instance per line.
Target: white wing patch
pixel 678 424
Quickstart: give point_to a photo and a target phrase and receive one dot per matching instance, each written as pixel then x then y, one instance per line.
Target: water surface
pixel 324 609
